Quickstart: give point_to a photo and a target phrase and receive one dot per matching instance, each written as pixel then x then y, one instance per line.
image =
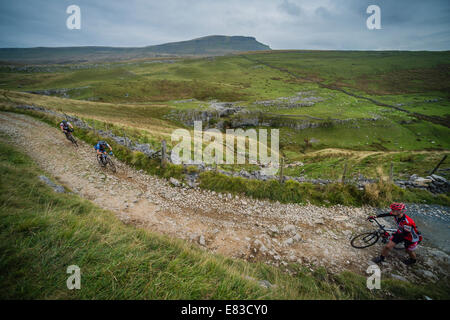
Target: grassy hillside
pixel 149 95
pixel 370 72
pixel 42 233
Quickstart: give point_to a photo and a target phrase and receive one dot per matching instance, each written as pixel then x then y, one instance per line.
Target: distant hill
pixel 210 45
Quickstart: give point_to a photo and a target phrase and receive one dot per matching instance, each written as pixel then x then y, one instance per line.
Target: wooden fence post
pixel 281 170
pixel 391 173
pixel 344 173
pixel 125 137
pixel 163 154
pixel 438 165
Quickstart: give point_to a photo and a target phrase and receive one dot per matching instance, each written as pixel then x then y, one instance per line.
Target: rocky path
pixel 235 226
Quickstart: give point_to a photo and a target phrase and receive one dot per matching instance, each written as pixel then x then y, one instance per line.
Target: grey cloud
pixel 290 8
pixel 322 12
pixel 282 24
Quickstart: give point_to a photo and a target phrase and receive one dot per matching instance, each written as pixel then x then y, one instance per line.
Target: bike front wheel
pixel 71 138
pixel 100 160
pixel 111 165
pixel 365 240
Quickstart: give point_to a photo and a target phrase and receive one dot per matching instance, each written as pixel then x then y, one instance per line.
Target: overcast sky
pixel 281 24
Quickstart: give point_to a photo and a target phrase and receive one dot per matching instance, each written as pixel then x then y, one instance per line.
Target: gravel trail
pixel 240 227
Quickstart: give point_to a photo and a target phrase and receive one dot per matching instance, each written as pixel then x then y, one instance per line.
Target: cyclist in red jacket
pixel 407 232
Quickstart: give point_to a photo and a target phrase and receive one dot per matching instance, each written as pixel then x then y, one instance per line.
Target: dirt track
pixel 234 226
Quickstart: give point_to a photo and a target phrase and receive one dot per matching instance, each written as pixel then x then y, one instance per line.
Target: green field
pixel 141 95
pixel 370 72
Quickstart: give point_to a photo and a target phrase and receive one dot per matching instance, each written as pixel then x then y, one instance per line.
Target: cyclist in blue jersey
pixel 100 147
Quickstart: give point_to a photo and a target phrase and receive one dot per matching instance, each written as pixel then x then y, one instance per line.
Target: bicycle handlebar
pixel 376 221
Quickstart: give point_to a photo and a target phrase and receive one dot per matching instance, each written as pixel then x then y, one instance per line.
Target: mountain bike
pixel 368 239
pixel 70 137
pixel 104 160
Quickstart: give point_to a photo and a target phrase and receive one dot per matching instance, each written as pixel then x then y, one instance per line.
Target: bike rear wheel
pixel 365 240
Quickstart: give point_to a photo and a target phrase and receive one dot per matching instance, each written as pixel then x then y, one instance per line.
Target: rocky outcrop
pixel 57 188
pixel 63 92
pixel 300 99
pixel 223 115
pixel 211 117
pixel 433 183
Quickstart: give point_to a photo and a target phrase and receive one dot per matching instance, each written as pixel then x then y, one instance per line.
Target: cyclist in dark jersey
pixel 66 127
pixel 407 232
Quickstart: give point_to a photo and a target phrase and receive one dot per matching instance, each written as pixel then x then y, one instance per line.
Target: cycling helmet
pixel 102 143
pixel 64 121
pixel 397 207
